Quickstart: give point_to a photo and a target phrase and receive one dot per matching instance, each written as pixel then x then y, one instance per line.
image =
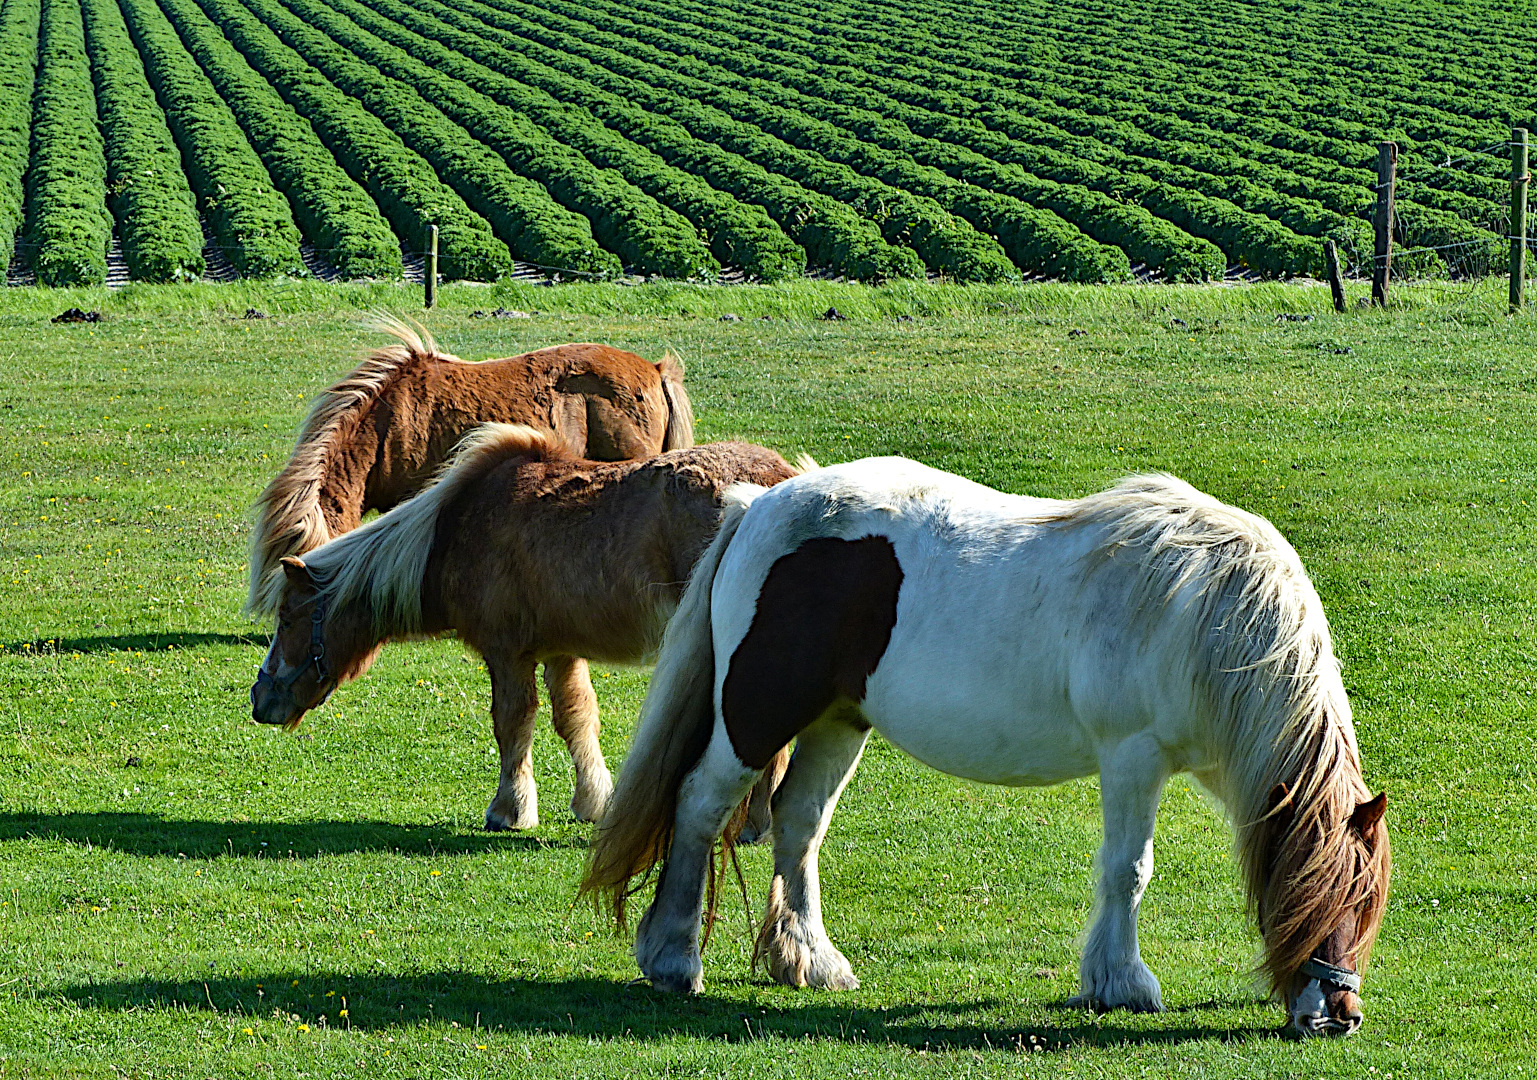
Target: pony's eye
pixel 283 625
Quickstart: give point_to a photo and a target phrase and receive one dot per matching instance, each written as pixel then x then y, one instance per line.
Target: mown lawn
pixel 183 893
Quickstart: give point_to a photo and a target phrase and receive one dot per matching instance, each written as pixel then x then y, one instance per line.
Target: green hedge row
pixel 18 71
pixel 155 209
pixel 627 221
pixel 813 152
pixel 832 235
pixel 331 208
pixel 741 234
pixel 68 226
pixel 250 218
pixel 401 181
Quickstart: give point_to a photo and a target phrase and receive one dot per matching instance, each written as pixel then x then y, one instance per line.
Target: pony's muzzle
pixel 269 705
pixel 1315 1013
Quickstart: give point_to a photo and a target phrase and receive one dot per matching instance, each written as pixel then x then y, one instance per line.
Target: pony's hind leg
pixel 793 942
pixel 574 709
pixel 667 939
pixel 514 706
pixel 1111 974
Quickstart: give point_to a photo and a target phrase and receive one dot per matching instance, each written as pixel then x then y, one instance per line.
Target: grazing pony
pixel 531 554
pixel 378 436
pixel 1136 633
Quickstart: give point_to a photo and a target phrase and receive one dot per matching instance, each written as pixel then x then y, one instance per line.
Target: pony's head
pixel 1322 905
pixel 313 650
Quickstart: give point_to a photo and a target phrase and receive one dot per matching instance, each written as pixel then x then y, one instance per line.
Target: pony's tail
pixel 675 724
pixel 680 410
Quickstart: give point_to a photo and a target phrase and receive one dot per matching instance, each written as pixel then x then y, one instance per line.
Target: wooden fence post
pixel 1332 268
pixel 1520 175
pixel 1382 260
pixel 432 266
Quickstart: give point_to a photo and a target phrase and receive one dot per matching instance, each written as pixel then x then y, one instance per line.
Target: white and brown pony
pixel 531 554
pixel 380 434
pixel 1136 633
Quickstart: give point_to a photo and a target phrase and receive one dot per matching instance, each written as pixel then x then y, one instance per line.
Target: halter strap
pixel 317 656
pixel 1344 978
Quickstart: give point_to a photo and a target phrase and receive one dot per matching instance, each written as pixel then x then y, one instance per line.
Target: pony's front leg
pixel 1111 974
pixel 667 939
pixel 793 942
pixel 574 709
pixel 514 706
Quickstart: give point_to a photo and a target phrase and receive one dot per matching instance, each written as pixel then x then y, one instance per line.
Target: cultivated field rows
pixel 672 138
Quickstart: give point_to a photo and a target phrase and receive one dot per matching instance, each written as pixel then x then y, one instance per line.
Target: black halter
pixel 317 657
pixel 1323 972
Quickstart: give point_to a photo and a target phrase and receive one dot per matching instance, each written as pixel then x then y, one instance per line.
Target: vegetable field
pixel 1086 141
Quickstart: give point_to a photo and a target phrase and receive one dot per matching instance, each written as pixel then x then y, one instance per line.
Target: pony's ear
pixel 1280 806
pixel 296 572
pixel 1369 813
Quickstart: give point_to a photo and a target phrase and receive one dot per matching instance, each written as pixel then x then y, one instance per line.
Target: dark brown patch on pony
pixel 823 622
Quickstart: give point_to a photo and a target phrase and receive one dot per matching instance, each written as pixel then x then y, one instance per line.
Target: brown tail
pixel 289 518
pixel 680 410
pixel 675 724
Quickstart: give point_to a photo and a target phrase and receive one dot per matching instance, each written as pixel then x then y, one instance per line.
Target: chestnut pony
pixel 378 436
pixel 531 554
pixel 1136 633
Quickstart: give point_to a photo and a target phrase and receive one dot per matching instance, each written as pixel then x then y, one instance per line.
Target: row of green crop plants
pixel 671 136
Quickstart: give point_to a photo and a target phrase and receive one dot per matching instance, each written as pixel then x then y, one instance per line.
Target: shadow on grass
pixel 129 643
pixel 154 835
pixel 596 1008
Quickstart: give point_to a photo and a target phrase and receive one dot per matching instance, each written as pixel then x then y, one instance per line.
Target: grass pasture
pixel 183 893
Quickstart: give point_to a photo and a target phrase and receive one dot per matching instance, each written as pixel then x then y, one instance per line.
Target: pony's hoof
pixel 677 984
pixel 1131 986
pixel 752 834
pixel 497 821
pixel 590 802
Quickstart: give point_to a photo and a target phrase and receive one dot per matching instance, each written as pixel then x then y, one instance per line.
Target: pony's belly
pixel 984 741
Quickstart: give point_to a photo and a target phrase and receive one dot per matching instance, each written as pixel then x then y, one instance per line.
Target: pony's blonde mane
pixel 381 564
pixel 1229 584
pixel 289 518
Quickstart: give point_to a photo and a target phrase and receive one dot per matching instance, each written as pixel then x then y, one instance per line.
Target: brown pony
pixel 531 554
pixel 378 436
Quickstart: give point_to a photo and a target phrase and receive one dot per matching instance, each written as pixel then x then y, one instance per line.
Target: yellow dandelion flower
pixel 304 1027
pixel 436 873
pixel 246 1031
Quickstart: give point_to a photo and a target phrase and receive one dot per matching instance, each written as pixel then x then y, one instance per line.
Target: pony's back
pixel 600 402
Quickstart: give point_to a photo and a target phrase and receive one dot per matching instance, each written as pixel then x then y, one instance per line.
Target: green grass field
pixel 183 893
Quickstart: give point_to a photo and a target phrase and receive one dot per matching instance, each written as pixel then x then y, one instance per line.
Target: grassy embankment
pixel 211 908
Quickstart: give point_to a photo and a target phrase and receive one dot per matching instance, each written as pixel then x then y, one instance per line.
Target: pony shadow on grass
pixel 146 642
pixel 587 1008
pixel 154 835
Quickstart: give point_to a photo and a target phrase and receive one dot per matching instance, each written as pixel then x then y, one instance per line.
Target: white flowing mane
pixel 1227 584
pixel 382 562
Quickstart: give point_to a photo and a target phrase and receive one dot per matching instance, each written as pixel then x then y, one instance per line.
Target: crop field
pixel 1085 141
pixel 184 893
